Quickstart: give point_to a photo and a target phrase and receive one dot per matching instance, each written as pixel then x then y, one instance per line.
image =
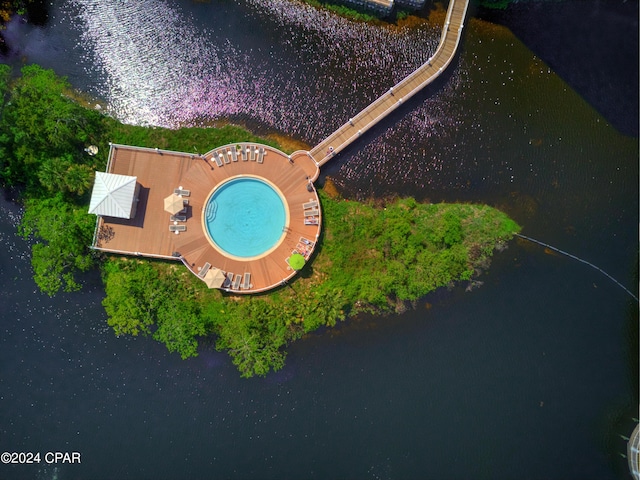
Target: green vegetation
pixel 495 4
pixel 343 11
pixel 197 140
pixel 359 15
pixel 42 138
pixel 406 249
pixel 402 14
pixel 141 296
pixel 64 230
pixel 371 257
pixel 9 7
pixel 43 135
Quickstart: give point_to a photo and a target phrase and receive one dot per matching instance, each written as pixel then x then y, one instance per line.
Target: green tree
pixel 132 295
pixel 5 75
pixel 254 336
pixel 64 174
pixel 40 122
pixel 62 233
pixel 179 319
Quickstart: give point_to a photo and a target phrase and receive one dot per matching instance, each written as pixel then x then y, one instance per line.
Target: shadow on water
pixel 568 36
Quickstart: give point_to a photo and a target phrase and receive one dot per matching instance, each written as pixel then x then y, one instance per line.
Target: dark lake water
pixel 530 376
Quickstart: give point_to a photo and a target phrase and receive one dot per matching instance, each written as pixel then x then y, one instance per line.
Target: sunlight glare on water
pixel 302 71
pixel 155 63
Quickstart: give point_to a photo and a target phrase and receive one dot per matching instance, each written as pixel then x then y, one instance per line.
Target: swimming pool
pixel 245 217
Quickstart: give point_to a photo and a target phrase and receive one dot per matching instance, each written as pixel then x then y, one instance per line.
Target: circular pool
pixel 245 217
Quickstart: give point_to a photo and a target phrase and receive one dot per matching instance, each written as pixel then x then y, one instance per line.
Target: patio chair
pixel 203 271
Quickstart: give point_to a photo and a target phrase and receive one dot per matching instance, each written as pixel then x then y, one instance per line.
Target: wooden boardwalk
pixel 405 89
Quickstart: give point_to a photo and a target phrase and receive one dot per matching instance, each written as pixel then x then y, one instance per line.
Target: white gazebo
pixel 114 195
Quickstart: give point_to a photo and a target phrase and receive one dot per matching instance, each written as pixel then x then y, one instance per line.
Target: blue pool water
pixel 245 217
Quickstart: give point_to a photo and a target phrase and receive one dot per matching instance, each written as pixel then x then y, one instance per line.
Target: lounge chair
pixel 177 228
pixel 252 151
pixel 178 218
pixel 311 221
pixel 217 158
pixel 261 154
pixel 303 249
pixel 243 151
pixel 247 281
pixel 225 157
pixel 311 213
pixel 182 192
pixel 203 271
pixel 310 204
pixel 236 282
pixel 228 281
pixel 234 154
pixel 306 241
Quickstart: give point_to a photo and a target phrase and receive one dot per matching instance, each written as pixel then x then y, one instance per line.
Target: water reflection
pixel 299 71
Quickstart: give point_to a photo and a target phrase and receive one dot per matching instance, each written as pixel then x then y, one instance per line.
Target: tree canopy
pixel 61 233
pixel 43 134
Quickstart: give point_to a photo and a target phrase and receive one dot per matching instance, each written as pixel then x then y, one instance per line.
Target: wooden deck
pixel 160 172
pixel 405 89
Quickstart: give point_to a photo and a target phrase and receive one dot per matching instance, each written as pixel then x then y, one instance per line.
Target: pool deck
pixel 160 172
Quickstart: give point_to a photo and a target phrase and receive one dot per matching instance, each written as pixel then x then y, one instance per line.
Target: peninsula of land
pixel 377 256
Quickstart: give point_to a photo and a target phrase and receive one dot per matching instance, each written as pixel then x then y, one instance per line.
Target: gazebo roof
pixel 113 195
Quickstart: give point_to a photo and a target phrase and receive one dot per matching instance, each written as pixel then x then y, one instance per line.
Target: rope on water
pixel 580 260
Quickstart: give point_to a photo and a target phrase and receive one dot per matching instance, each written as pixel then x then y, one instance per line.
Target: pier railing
pixel 402 91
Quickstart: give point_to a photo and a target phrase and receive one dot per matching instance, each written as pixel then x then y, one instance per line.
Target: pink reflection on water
pixel 163 68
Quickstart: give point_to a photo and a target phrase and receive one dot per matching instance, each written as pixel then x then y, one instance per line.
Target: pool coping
pixel 221 250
